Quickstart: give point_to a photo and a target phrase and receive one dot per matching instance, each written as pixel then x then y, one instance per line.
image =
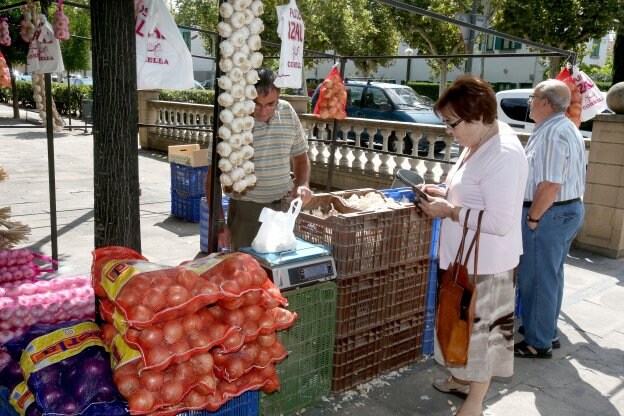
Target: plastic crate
pixel 306 373
pixel 361 302
pixel 359 241
pixel 357 359
pixel 244 405
pixel 406 290
pixel 398 194
pixel 430 308
pixel 188 179
pixel 411 235
pixel 185 206
pixel 402 342
pixel 204 213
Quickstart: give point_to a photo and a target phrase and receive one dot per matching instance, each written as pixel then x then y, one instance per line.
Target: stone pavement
pixel 584 377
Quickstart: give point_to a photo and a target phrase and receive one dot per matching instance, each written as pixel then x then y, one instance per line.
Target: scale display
pixel 302 273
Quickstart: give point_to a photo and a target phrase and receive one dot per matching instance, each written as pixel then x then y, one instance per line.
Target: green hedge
pixel 603 86
pixel 188 96
pixel 430 89
pixel 60 94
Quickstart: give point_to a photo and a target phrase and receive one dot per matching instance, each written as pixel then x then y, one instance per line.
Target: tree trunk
pixel 13 90
pixel 115 130
pixel 618 56
pixel 443 77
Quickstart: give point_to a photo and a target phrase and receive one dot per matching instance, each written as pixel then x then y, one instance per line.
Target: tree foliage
pixel 347 27
pixel 565 25
pixel 77 51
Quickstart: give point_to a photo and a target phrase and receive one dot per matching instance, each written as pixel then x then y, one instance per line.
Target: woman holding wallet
pixel 490 176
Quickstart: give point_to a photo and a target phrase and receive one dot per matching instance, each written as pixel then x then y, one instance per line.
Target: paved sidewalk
pixel 584 377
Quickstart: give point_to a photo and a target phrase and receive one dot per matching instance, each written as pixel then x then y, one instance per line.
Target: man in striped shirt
pixel 279 140
pixel 553 214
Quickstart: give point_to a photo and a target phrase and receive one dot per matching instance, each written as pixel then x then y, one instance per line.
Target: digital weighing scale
pixel 308 263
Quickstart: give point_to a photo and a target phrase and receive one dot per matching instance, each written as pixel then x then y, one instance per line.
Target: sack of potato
pixel 332 97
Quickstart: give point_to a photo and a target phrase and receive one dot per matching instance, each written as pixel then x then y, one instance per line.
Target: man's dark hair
pixel 266 83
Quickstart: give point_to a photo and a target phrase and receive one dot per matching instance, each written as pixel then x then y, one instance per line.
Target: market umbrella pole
pixel 51 171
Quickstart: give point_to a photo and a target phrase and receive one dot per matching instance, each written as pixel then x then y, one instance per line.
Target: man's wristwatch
pixel 531 219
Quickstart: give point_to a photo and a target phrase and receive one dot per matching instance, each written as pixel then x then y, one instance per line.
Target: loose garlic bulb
pixel 247 137
pixel 248 122
pixel 224 149
pixel 226 180
pixel 224 29
pixel 226 65
pixel 236 74
pixel 237 174
pixel 236 141
pixel 250 92
pixel 236 157
pixel 226 10
pixel 238 58
pixel 225 99
pixel 226 116
pixel 257 8
pixel 225 83
pixel 238 91
pixel 247 152
pixel 240 186
pixel 254 42
pixel 237 20
pixel 256 59
pixel 227 49
pixel 225 132
pixel 225 165
pixel 238 40
pixel 248 167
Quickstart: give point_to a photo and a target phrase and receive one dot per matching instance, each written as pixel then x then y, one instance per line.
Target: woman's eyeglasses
pixel 453 124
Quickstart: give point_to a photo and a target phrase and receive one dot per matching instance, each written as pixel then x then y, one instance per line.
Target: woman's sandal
pixel 524 350
pixel 556 343
pixel 450 386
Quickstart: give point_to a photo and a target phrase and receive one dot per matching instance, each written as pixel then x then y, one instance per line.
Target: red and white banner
pixel 290 29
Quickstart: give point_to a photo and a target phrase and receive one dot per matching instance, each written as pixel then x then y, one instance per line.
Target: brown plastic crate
pixel 406 289
pixel 360 241
pixel 360 303
pixel 402 342
pixel 357 359
pixel 411 235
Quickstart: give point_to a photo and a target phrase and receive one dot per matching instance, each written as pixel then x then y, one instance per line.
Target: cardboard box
pixel 189 155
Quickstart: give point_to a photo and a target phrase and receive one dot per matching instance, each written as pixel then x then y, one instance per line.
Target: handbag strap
pixel 475 244
pixel 460 250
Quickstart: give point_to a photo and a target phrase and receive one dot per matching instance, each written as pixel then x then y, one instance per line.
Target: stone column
pixel 603 228
pixel 145 116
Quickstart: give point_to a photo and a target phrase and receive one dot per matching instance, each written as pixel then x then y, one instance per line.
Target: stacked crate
pixel 382 264
pixel 306 373
pixel 189 167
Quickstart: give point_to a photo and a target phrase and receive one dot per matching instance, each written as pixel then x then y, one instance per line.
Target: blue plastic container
pixel 204 214
pixel 432 283
pixel 244 405
pixel 188 179
pixel 185 206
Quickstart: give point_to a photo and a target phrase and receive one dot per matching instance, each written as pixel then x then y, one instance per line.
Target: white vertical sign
pixel 290 29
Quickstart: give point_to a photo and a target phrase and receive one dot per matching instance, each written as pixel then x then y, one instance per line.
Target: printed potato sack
pixel 146 293
pixel 240 279
pixel 332 98
pixel 149 390
pixel 68 371
pixel 23 401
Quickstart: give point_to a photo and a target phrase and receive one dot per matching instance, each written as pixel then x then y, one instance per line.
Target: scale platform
pixel 308 263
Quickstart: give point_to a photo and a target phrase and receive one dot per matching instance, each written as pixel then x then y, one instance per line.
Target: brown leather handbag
pixel 457 301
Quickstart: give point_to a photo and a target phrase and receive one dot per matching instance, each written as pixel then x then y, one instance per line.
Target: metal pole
pixel 409 52
pixel 69 100
pixel 472 34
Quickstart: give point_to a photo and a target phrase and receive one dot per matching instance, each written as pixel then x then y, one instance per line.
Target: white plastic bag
pixel 44 53
pixel 594 100
pixel 276 232
pixel 163 60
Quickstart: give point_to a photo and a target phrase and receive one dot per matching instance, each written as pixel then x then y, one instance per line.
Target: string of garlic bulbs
pixel 240 28
pixel 40 102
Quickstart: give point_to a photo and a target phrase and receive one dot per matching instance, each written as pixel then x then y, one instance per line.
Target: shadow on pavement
pixel 179 227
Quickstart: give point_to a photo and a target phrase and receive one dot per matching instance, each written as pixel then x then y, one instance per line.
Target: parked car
pixel 79 80
pixel 513 109
pixel 207 84
pixel 197 86
pixel 392 102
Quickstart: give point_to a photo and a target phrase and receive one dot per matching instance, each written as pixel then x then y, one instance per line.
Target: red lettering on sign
pixel 294 31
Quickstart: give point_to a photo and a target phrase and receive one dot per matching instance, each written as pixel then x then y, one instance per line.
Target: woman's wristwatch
pixel 531 219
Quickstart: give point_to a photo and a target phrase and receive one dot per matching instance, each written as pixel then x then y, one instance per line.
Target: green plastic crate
pixel 306 374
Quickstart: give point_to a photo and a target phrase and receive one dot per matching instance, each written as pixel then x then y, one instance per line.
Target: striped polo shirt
pixel 556 153
pixel 274 144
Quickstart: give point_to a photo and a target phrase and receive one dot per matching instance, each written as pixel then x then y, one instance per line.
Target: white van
pixel 513 109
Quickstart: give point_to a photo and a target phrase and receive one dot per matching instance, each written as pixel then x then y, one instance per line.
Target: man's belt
pixel 527 204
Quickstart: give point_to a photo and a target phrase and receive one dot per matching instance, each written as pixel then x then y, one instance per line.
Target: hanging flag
pixel 290 29
pixel 163 60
